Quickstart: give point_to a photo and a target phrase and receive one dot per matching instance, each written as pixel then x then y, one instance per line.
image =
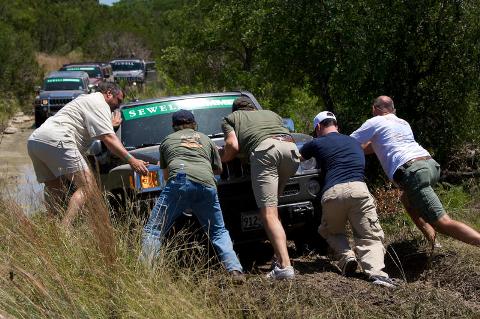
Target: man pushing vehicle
pixel 57 147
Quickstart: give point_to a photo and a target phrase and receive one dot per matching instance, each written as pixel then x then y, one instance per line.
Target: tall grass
pixel 90 272
pixel 93 272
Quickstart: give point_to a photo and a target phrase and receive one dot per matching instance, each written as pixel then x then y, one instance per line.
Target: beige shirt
pixel 77 123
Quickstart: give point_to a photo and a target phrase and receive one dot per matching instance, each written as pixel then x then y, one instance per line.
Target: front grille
pixel 59 102
pixel 128 79
pixel 291 189
pixel 235 169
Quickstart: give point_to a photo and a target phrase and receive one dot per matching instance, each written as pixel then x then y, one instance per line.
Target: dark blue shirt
pixel 339 156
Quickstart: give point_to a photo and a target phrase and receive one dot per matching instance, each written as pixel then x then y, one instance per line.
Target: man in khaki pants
pixel 346 198
pixel 260 136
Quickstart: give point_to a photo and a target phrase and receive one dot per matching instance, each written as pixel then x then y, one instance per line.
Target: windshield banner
pixel 173 106
pixel 62 80
pixel 80 68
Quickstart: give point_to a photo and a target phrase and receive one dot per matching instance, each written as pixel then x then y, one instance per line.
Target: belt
pixel 398 175
pixel 283 137
pixel 416 159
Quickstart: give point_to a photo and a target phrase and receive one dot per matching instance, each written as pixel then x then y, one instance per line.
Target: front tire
pixel 40 117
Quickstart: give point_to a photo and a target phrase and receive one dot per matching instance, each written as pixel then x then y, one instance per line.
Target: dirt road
pixel 17 178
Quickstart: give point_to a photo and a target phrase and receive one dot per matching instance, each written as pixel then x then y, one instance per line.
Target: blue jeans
pixel 203 200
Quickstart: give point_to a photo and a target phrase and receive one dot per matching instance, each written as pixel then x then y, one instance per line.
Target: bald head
pixel 383 105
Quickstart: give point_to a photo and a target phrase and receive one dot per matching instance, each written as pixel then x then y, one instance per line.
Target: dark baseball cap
pixel 182 117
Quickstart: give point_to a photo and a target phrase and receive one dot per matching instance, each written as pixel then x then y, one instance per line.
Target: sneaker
pixel 349 267
pixel 382 281
pixel 281 273
pixel 238 278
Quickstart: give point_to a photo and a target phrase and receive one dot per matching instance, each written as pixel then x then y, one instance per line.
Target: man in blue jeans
pixel 189 160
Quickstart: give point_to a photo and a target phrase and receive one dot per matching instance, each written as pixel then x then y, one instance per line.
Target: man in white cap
pixel 345 197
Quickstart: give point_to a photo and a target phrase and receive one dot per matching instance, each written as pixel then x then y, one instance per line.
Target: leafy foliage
pixel 298 57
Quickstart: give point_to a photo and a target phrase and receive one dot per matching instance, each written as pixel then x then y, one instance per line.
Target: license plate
pixel 251 221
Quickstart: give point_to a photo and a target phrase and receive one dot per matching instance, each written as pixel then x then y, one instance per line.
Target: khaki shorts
pixel 416 181
pixel 272 163
pixel 51 162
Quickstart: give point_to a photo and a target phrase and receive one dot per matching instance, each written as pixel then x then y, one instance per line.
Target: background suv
pixel 59 88
pixel 97 71
pixel 131 71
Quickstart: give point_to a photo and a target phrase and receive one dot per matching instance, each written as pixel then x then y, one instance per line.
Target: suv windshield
pixel 63 84
pixel 126 66
pixel 148 124
pixel 93 72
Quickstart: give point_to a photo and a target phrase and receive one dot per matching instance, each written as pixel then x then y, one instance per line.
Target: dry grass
pixel 51 62
pixel 93 272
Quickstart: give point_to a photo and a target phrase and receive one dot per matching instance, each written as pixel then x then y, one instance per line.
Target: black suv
pixel 59 88
pixel 146 123
pixel 133 71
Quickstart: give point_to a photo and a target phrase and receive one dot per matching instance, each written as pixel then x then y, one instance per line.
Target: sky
pixel 109 2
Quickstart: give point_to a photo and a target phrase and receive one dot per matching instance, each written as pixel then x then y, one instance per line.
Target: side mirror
pixel 289 124
pixel 37 89
pixel 92 88
pixel 95 148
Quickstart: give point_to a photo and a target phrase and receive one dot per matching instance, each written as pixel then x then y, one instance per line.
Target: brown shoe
pixel 238 277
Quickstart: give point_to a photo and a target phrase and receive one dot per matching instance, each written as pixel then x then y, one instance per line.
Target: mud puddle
pixel 17 178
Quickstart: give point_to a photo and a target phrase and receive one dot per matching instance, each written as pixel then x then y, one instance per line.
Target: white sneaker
pixel 281 273
pixel 382 281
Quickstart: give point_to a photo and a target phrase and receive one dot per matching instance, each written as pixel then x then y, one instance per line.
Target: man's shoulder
pixel 267 113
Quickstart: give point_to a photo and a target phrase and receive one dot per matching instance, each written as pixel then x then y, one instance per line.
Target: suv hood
pixel 94 81
pixel 149 154
pixel 60 94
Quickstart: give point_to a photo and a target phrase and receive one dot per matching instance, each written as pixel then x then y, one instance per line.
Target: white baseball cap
pixel 323 116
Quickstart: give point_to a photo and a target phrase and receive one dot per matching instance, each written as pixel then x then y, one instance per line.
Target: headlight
pixel 313 187
pixel 307 165
pixel 44 102
pixel 153 181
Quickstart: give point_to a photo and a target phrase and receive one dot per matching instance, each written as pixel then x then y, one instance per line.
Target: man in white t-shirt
pixel 412 169
pixel 58 145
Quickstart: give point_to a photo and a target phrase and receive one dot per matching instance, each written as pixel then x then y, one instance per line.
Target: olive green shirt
pixel 195 150
pixel 253 127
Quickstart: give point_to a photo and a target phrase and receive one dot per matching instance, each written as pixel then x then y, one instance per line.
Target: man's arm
pixel 115 146
pixel 367 148
pixel 231 148
pixel 165 174
pixel 216 159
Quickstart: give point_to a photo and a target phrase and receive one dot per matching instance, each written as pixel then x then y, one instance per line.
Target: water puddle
pixel 24 189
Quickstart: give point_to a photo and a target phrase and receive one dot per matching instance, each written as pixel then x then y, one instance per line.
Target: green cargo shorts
pixel 417 181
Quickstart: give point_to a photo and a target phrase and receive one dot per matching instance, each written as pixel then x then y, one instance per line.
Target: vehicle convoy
pixel 133 71
pixel 59 88
pixel 97 71
pixel 146 123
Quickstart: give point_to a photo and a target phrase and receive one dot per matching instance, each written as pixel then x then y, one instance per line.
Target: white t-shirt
pixel 392 140
pixel 77 123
